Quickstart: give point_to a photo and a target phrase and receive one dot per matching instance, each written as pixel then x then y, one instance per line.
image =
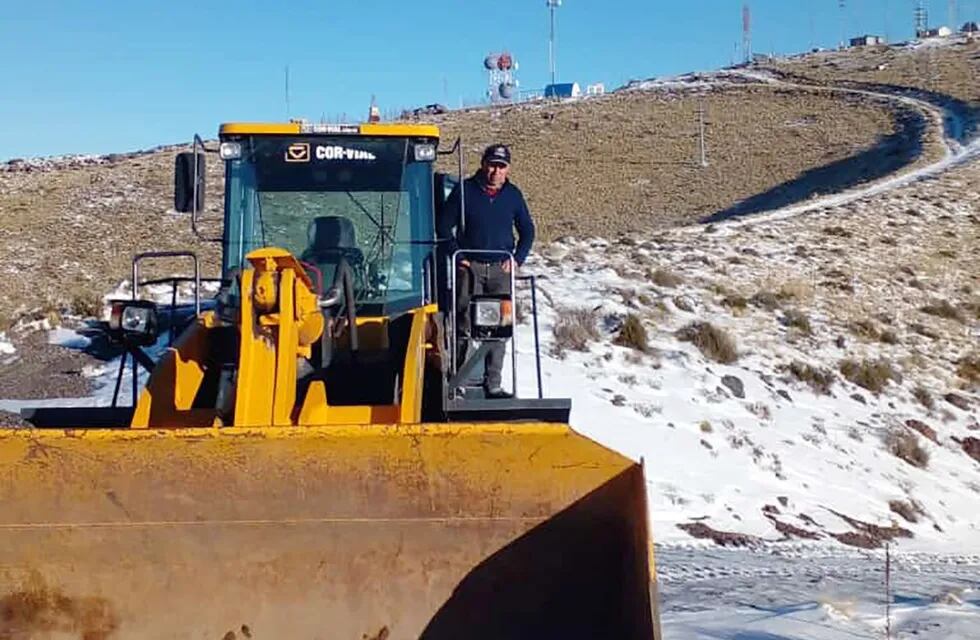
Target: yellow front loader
pixel 308 458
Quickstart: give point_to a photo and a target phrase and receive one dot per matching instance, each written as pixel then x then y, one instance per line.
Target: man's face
pixel 495 174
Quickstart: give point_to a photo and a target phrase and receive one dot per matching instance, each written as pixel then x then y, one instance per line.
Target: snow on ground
pixel 736 595
pixel 6 347
pixel 780 452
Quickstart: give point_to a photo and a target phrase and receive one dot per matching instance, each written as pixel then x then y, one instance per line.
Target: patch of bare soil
pixel 867 535
pixel 722 538
pixel 790 531
pixel 42 370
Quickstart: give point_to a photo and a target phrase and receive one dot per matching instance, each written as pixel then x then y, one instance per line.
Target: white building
pixel 867 41
pixel 939 32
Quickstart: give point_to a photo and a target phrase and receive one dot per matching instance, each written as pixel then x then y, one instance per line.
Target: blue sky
pixel 111 75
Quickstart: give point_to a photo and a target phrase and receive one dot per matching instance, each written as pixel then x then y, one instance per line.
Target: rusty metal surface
pixel 435 531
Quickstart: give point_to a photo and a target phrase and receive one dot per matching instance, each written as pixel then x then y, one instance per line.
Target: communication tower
pixel 952 14
pixel 502 85
pixel 921 19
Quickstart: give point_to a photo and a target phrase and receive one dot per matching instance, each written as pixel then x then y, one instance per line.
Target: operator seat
pixel 331 239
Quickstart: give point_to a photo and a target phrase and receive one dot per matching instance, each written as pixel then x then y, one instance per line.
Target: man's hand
pixel 507 266
pixel 464 263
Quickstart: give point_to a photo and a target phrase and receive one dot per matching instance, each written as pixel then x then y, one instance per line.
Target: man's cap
pixel 498 153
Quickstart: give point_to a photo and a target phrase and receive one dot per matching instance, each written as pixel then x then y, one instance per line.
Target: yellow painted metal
pixel 317 410
pixel 166 400
pixel 413 371
pixel 287 342
pixel 400 130
pixel 359 531
pixel 294 128
pixel 255 390
pixel 259 128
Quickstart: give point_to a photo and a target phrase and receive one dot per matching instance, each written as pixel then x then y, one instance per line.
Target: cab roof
pixel 394 129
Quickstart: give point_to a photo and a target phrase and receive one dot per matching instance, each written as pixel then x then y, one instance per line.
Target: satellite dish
pixel 491 61
pixel 505 62
pixel 506 90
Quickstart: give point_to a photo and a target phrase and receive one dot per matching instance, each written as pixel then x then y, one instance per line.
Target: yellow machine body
pixel 298 518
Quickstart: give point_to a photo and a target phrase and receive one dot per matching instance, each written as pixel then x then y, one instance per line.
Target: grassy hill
pixel 611 165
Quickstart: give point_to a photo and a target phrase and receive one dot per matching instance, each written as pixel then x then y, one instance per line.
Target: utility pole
pixel 952 14
pixel 552 54
pixel 842 5
pixel 888 592
pixel 702 146
pixel 747 32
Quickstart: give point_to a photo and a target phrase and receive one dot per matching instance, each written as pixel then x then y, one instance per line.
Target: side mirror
pixel 184 181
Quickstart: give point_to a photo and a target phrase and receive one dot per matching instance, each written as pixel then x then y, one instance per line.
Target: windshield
pixel 325 199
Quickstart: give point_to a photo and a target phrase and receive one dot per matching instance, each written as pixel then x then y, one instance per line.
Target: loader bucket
pixel 366 532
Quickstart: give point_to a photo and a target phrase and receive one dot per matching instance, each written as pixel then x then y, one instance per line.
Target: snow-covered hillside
pixel 779 444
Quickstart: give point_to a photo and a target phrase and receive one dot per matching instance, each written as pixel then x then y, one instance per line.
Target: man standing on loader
pixel 494 207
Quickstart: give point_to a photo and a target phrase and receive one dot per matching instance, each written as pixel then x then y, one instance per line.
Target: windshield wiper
pixel 377 224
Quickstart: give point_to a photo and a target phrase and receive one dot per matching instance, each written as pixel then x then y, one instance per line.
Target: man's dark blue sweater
pixel 490 220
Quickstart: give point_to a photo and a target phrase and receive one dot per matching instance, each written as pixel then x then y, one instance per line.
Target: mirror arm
pixel 195 211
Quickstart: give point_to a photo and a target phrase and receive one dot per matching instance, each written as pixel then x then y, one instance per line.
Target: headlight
pixel 493 313
pixel 425 152
pixel 133 321
pixel 136 319
pixel 230 150
pixel 488 313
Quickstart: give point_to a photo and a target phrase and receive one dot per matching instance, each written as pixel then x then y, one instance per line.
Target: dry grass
pixel 943 309
pixel 665 278
pixel 766 300
pixel 868 330
pixel 820 380
pixel 715 343
pixel 944 69
pixel 796 319
pixel 968 367
pixel 623 163
pixel 905 445
pixel 799 290
pixel 87 304
pixel 610 166
pixel 910 510
pixel 633 334
pixel 575 329
pixel 737 303
pixel 873 375
pixel 923 397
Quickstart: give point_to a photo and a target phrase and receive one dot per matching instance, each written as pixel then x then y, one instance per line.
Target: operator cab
pixel 364 199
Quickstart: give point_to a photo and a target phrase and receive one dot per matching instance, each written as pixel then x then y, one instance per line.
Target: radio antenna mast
pixel 552 54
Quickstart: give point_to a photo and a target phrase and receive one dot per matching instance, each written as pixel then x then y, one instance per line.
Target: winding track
pixel 956 152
